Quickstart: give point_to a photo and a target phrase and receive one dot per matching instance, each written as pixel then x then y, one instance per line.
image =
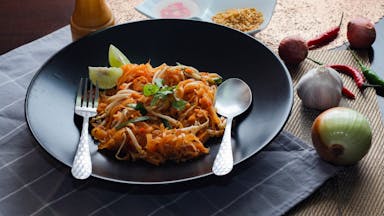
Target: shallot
pixel 361 32
pixel 293 49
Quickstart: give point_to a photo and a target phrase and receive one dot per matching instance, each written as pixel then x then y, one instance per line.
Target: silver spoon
pixel 233 97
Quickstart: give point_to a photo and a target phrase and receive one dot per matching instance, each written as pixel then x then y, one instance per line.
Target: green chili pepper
pixel 371 76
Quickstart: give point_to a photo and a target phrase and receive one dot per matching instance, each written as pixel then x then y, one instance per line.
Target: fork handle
pixel 82 166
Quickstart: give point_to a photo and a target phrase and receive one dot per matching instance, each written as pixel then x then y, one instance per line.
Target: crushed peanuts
pixel 244 19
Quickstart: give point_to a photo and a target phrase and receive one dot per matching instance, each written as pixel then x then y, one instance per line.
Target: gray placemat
pixel 34 183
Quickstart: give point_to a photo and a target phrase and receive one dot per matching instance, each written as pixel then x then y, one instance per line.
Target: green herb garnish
pixel 159 82
pixel 166 123
pixel 179 104
pixel 156 99
pixel 218 80
pixel 158 90
pixel 150 89
pixel 166 90
pixel 140 107
pixel 138 119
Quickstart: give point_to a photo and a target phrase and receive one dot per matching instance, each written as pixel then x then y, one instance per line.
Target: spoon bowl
pixel 233 97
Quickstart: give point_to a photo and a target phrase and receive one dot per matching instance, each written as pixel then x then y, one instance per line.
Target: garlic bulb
pixel 320 88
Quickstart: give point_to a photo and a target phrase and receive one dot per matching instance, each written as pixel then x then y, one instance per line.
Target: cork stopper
pixel 90 16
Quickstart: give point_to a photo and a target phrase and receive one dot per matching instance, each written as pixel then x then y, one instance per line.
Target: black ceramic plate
pixel 206 46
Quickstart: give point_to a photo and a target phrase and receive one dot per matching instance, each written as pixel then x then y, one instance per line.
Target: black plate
pixel 206 46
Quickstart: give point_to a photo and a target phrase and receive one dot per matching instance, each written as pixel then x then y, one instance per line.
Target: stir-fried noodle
pixel 158 114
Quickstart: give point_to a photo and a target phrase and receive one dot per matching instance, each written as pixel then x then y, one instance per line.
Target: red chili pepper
pixel 348 93
pixel 351 71
pixel 357 76
pixel 325 37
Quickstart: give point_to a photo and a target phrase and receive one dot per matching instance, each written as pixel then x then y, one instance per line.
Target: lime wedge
pixel 104 77
pixel 116 57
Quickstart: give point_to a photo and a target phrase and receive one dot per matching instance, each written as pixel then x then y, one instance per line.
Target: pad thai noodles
pixel 158 114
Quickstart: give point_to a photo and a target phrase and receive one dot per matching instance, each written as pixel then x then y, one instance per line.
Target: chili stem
pixel 314 61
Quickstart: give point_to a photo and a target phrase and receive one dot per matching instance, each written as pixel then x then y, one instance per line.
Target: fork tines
pixel 87 94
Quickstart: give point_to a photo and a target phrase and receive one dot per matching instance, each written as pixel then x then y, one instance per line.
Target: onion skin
pixel 293 49
pixel 361 33
pixel 341 136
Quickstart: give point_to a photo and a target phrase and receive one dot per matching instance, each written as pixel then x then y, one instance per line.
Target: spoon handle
pixel 223 163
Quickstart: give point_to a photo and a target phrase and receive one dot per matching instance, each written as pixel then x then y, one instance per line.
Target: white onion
pixel 341 135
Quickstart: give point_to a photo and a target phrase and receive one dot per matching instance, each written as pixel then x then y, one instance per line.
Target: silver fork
pixel 86 105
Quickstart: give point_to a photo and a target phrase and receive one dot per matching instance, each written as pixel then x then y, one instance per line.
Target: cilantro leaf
pixel 156 99
pixel 161 94
pixel 166 90
pixel 179 104
pixel 158 90
pixel 159 82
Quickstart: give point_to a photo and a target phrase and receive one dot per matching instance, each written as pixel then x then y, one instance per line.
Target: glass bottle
pixel 90 16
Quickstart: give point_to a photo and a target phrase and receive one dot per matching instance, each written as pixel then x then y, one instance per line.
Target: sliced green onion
pixel 150 89
pixel 218 80
pixel 138 119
